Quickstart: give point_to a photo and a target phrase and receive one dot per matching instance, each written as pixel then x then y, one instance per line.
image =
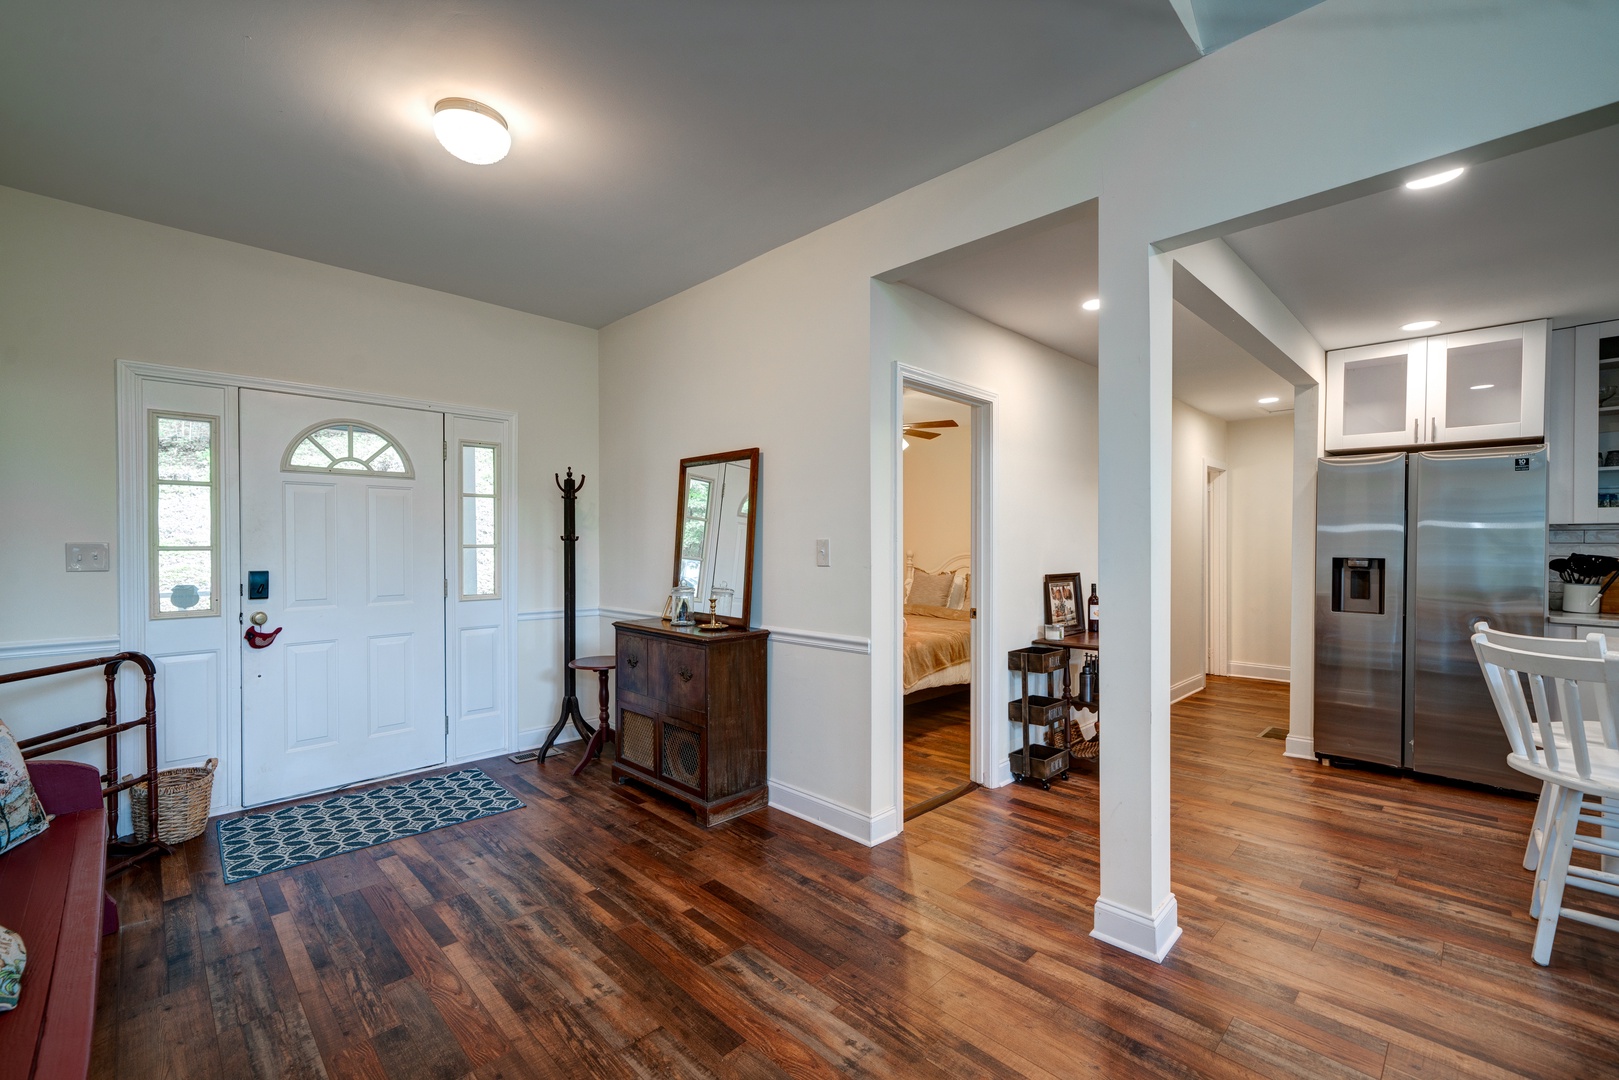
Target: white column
pixel 1136 909
pixel 1301 661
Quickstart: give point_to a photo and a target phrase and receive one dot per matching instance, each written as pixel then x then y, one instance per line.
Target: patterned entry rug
pixel 294 835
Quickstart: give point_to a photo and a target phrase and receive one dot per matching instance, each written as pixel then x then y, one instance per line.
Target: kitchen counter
pixel 1568 618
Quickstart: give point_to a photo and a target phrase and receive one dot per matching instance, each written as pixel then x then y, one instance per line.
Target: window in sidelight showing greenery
pixel 480 522
pixel 184 535
pixel 694 533
pixel 346 446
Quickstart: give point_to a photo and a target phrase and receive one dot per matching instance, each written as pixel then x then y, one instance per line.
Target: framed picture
pixel 1064 600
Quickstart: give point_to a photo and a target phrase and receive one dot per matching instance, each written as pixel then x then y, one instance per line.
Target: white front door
pixel 342 506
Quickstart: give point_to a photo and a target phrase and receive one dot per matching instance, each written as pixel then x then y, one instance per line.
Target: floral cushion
pixel 21 815
pixel 12 959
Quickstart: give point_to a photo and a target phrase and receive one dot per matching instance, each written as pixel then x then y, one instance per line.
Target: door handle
pixel 1416 429
pixel 685 674
pixel 1433 429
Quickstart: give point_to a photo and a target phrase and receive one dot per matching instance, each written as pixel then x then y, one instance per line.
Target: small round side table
pixel 601 665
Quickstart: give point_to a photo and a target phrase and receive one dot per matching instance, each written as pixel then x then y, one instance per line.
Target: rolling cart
pixel 1049 710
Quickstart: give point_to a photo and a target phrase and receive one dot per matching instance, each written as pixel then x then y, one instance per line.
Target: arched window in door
pixel 347 446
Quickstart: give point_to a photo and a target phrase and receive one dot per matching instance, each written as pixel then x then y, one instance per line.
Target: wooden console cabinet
pixel 692 715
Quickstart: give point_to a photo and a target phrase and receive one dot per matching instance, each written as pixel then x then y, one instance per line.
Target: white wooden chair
pixel 1554 748
pixel 1600 727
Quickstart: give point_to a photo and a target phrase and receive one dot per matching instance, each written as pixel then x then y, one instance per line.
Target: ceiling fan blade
pixel 934 423
pixel 912 433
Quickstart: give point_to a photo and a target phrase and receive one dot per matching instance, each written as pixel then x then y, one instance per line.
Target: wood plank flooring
pixel 937 757
pixel 1338 923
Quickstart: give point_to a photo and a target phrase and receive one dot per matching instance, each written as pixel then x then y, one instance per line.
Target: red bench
pixel 52 892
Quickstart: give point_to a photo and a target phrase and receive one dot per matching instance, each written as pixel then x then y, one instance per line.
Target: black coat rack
pixel 570 697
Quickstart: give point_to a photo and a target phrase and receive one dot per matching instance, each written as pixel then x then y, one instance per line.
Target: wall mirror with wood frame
pixel 714 520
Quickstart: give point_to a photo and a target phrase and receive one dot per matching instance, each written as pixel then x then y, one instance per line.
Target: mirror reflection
pixel 715 540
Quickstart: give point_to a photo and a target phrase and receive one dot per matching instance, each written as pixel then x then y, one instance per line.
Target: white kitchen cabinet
pixel 1596 423
pixel 1480 386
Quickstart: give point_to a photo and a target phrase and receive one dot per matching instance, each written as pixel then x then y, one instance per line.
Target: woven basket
pixel 183 797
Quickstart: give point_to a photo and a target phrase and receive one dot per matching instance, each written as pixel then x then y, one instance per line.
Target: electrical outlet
pixel 87 558
pixel 823 553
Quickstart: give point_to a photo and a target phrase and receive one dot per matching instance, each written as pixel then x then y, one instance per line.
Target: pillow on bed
pixel 960 590
pixel 21 815
pixel 929 590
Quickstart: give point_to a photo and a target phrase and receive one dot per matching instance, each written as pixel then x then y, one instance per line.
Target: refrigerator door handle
pixel 1433 429
pixel 1416 429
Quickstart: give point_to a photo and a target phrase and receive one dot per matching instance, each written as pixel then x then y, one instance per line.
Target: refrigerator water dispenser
pixel 1357 585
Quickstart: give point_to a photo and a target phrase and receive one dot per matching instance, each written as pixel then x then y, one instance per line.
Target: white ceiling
pixel 656 144
pixel 1529 236
pixel 1031 281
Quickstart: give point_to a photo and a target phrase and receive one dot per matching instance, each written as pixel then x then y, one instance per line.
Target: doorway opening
pixel 937 494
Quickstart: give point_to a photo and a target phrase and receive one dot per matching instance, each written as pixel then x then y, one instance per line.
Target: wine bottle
pixel 1093 610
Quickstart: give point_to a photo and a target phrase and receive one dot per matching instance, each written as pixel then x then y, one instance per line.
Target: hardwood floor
pixel 937 757
pixel 1337 923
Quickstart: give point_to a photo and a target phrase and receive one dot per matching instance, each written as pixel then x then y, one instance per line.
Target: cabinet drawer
pixel 635 653
pixel 681 674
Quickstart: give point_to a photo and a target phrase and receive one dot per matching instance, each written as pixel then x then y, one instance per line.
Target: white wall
pixel 938 486
pixel 1199 439
pixel 1278 117
pixel 1260 454
pixel 81 289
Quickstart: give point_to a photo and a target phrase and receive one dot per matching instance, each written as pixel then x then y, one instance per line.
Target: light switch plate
pixel 823 553
pixel 87 558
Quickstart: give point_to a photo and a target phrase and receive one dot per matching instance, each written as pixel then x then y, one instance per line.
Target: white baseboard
pixel 1151 936
pixel 1186 688
pixel 1268 672
pixel 1300 746
pixel 834 816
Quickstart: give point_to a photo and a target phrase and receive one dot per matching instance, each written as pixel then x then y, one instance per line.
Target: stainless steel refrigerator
pixel 1411 550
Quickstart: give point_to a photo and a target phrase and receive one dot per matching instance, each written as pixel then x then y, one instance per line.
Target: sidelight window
pixel 480 521
pixel 184 534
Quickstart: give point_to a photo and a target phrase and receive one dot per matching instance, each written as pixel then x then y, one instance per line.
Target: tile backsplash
pixel 1562 540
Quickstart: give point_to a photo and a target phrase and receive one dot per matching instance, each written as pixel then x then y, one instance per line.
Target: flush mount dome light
pixel 1423 182
pixel 471 130
pixel 1269 400
pixel 1093 304
pixel 1420 324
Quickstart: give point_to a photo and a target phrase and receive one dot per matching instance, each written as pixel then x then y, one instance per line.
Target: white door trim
pixel 1216 567
pixel 133 508
pixel 982 741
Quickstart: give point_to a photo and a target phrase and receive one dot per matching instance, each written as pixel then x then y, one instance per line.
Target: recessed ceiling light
pixel 1421 324
pixel 1423 182
pixel 1093 304
pixel 1269 400
pixel 471 130
pixel 1483 386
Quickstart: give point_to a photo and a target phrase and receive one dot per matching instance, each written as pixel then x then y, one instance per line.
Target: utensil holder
pixel 1580 599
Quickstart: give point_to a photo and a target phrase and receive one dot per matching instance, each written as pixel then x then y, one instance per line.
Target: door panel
pixel 353 688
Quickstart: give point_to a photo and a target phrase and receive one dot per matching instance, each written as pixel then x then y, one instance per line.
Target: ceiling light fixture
pixel 471 130
pixel 1483 386
pixel 1269 400
pixel 1422 183
pixel 1421 324
pixel 1093 304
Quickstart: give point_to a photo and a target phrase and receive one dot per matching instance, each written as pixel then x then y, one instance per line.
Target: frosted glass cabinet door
pixel 1485 385
pixel 1375 396
pixel 1596 423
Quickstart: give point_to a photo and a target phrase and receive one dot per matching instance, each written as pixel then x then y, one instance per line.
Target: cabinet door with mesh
pixel 637 735
pixel 681 760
